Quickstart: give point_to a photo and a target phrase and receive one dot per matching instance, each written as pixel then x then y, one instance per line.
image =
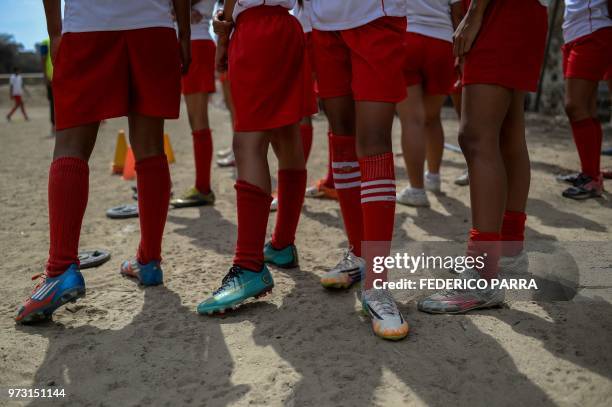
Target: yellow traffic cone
pixel 120 153
pixel 168 149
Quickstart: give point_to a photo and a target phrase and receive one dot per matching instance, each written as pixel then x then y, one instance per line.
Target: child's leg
pixel 68 193
pixel 586 129
pixel 411 113
pixel 434 134
pixel 484 110
pixel 197 110
pixel 252 196
pixel 153 183
pixel 13 110
pixel 518 175
pixel 23 111
pixel 287 145
pixel 374 123
pixel 341 116
pixel 306 134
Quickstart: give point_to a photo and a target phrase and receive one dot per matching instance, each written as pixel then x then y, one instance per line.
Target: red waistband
pixel 262 11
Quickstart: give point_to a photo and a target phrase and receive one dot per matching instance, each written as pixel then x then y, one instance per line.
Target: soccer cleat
pixel 463 179
pixel 227 161
pixel 224 152
pixel 433 182
pixel 274 204
pixel 413 197
pixel 461 301
pixel 50 294
pixel 346 273
pixel 387 320
pixel 193 197
pixel 584 187
pixel 147 274
pixel 320 190
pixel 238 285
pixel 514 265
pixel 569 178
pixel 283 258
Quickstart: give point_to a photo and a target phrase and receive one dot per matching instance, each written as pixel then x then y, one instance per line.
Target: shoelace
pixel 385 301
pixel 228 280
pixel 42 277
pixel 346 260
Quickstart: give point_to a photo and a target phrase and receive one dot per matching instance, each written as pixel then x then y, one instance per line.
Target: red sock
pixel 329 178
pixel 347 181
pixel 202 152
pixel 513 233
pixel 306 133
pixel 587 136
pixel 68 192
pixel 291 187
pixel 378 208
pixel 153 184
pixel 253 204
pixel 480 243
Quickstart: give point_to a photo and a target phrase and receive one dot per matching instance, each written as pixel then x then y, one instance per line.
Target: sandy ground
pixel 302 345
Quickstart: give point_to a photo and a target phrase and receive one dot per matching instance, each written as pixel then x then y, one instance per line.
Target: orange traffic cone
pixel 168 149
pixel 120 153
pixel 129 169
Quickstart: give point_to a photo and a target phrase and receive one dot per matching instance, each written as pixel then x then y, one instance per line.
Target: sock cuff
pixel 202 133
pixel 70 164
pixel 515 216
pixel 478 236
pixel 378 166
pixel 155 161
pixel 291 175
pixel 343 148
pixel 254 190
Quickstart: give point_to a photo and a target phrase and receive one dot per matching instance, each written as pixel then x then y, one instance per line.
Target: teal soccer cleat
pixel 283 258
pixel 238 285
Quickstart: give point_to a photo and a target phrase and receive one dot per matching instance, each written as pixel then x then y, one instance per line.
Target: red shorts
pixel 589 57
pixel 201 75
pixel 509 49
pixel 429 61
pixel 366 61
pixel 269 70
pixel 17 99
pixel 103 74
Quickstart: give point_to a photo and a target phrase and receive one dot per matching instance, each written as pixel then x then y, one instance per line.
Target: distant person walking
pixel 16 89
pixel 47 67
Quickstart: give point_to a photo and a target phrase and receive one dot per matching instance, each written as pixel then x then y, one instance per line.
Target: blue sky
pixel 24 19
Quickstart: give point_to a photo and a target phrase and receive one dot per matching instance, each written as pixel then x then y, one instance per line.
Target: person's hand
pixel 196 16
pixel 185 45
pixel 54 43
pixel 222 28
pixel 466 33
pixel 221 57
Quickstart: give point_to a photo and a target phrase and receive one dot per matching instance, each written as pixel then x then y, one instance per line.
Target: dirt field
pixel 302 345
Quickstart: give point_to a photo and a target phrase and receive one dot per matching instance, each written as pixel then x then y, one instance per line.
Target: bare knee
pixel 475 142
pixel 373 143
pixel 576 111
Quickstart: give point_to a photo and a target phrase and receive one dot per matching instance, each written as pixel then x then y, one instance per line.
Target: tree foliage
pixel 12 54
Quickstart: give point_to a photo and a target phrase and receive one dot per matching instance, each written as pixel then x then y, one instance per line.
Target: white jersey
pixel 303 13
pixel 431 18
pixel 242 5
pixel 584 17
pixel 332 15
pixel 16 81
pixel 201 30
pixel 116 15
